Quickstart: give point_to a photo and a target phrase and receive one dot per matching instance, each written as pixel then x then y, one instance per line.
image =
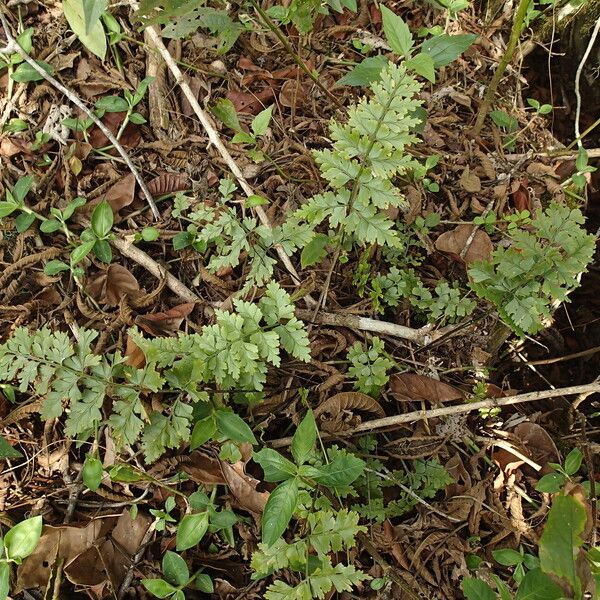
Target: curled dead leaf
pixel 246 102
pixel 454 241
pixel 168 183
pixel 243 487
pixel 111 284
pixel 165 323
pixel 539 444
pixel 470 182
pixel 408 387
pixel 203 468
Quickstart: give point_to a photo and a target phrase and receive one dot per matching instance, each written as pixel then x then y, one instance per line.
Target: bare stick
pixel 421 336
pixel 591 42
pixel 459 409
pixel 13 46
pixel 139 256
pixel 506 58
pixel 214 138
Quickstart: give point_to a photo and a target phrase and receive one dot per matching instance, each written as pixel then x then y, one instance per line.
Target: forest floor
pixel 471 476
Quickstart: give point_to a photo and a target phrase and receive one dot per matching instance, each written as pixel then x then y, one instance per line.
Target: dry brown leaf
pixel 165 323
pixel 111 284
pixel 349 401
pixel 453 242
pixel 203 468
pixel 539 444
pixel 246 102
pixel 470 182
pixel 134 356
pixel 168 183
pixel 243 487
pixel 130 137
pixel 293 93
pixel 408 387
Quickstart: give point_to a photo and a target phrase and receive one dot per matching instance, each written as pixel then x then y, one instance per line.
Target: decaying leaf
pixel 165 323
pixel 453 242
pixel 408 387
pixel 469 181
pixel 168 183
pixel 337 412
pixel 538 443
pixel 111 284
pixel 243 487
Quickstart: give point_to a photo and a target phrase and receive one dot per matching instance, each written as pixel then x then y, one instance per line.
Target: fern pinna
pixel 368 151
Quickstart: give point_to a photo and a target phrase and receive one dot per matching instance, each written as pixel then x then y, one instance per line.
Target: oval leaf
pixel 234 427
pixel 175 569
pixel 279 510
pixel 304 439
pixel 92 472
pixel 23 538
pixel 191 530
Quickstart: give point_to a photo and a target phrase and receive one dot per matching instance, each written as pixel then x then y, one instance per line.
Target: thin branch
pixel 584 58
pixel 506 58
pixel 214 138
pixel 459 409
pixel 13 46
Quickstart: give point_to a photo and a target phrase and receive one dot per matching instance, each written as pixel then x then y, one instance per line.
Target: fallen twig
pixel 421 415
pixel 214 137
pixel 13 46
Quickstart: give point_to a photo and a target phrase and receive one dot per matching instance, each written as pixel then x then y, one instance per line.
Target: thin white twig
pixel 214 138
pixel 13 46
pixel 578 77
pixel 421 415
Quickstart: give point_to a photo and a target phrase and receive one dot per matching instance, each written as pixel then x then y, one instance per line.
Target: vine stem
pixel 459 409
pixel 215 140
pixel 504 61
pixel 13 46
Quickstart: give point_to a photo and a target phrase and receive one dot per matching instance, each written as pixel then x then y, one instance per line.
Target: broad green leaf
pixel 260 123
pixel 536 585
pixel 551 483
pixel 25 72
pixel 507 557
pixel 279 510
pixel 203 431
pixel 23 538
pixel 243 138
pixel 224 110
pixel 275 466
pixel 4 580
pixel 159 587
pixel 112 104
pixel 422 64
pixel 304 439
pixel 365 72
pixel 124 474
pixel 54 267
pixel 102 220
pixel 103 251
pixel 50 226
pixel 7 451
pixel 475 589
pixel 92 472
pixel 204 583
pixel 397 33
pixel 7 208
pixel 234 427
pixel 92 9
pixel 561 540
pixel 341 471
pixel 573 461
pixel 25 40
pixel 95 39
pixel 174 568
pixel 24 221
pixel 314 251
pixel 21 188
pixel 445 48
pixel 191 530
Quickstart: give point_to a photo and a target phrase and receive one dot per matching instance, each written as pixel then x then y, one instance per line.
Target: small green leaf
pixel 243 138
pixel 225 111
pixel 7 451
pixel 365 72
pixel 255 200
pixel 573 461
pixel 182 240
pixel 102 220
pixel 304 439
pixel 536 585
pixel 137 119
pixel 475 589
pixel 582 159
pixel 444 48
pixel 503 589
pixel 103 251
pixel 314 251
pixel 7 208
pixel 25 40
pixel 81 251
pixel 204 583
pixel 54 267
pixel 397 33
pixel 175 569
pixel 150 234
pixel 507 557
pixel 25 72
pixel 50 226
pixel 551 483
pixel 279 510
pixel 191 530
pixel 504 120
pixel 21 188
pixel 23 538
pixel 112 104
pixel 159 587
pixel 203 431
pixel 24 221
pixel 422 64
pixel 4 580
pixel 92 472
pixel 234 427
pixel 260 123
pixel 124 474
pixel 275 466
